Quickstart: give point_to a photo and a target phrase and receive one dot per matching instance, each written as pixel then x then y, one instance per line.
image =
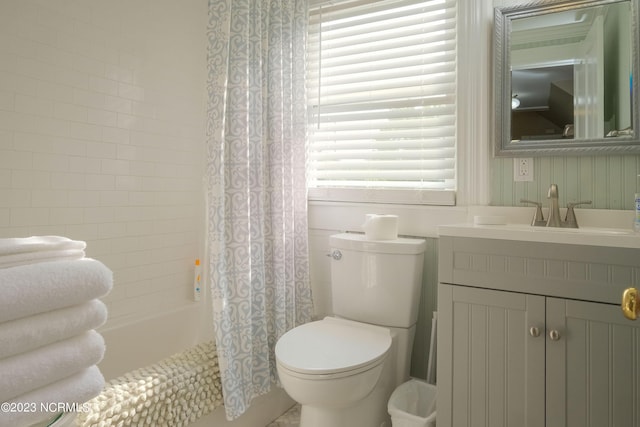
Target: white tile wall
pixel 102 137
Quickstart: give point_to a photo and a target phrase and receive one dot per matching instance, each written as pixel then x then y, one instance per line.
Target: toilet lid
pixel 332 346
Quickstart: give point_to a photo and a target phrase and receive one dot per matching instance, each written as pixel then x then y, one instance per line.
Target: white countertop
pixel 593 236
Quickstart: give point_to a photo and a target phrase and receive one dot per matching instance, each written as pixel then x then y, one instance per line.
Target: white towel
pixel 37 288
pixel 15 260
pixel 20 245
pixel 76 389
pixel 29 371
pixel 28 333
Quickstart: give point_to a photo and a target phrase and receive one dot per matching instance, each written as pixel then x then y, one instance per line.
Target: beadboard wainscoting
pixel 608 181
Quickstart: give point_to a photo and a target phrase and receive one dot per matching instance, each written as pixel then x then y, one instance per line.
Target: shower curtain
pixel 257 207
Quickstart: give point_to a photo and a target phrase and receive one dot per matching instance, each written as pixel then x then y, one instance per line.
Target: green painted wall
pixel 428 303
pixel 610 182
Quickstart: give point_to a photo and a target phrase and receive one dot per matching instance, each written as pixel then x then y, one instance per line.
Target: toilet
pixel 343 369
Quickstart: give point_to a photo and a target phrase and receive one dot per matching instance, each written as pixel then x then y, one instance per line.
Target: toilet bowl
pixel 331 367
pixel 343 369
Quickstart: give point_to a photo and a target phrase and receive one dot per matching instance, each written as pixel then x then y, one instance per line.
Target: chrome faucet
pixel 554 210
pixel 554 219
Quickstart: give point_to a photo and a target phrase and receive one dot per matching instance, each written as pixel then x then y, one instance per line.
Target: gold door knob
pixel 631 303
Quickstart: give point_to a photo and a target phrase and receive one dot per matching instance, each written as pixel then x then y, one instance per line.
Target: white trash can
pixel 413 404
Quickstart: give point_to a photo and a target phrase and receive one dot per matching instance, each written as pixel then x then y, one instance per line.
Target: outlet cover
pixel 523 169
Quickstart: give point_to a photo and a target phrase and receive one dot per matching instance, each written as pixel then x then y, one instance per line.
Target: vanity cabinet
pixel 532 334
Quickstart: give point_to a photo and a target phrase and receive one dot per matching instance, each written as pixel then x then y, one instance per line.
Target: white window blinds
pixel 381 90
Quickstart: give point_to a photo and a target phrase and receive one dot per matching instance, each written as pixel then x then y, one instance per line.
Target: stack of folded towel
pixel 49 309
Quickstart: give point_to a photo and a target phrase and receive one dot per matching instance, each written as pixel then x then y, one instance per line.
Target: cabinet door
pixel 593 365
pixel 490 363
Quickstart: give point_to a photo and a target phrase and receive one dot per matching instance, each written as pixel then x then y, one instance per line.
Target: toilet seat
pixel 332 348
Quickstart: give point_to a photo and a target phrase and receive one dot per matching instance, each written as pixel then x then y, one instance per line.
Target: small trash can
pixel 413 404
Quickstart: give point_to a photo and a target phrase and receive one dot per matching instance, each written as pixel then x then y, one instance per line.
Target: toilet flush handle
pixel 336 254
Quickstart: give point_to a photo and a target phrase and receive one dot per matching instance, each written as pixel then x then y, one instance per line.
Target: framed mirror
pixel 566 78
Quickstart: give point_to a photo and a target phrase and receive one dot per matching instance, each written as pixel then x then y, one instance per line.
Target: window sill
pixel 384 196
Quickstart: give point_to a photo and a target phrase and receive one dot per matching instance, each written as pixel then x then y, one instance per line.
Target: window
pixel 382 99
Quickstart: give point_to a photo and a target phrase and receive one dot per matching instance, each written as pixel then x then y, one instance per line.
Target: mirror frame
pixel 502 87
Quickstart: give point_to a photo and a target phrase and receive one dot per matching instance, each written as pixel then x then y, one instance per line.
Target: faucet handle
pixel 570 220
pixel 571 205
pixel 538 217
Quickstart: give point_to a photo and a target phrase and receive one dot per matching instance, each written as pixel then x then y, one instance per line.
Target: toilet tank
pixel 376 281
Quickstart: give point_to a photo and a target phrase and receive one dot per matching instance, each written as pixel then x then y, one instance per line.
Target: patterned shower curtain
pixel 257 207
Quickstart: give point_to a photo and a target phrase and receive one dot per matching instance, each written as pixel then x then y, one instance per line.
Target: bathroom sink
pixel 593 236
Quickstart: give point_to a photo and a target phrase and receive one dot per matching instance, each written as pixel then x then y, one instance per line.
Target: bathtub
pixel 143 343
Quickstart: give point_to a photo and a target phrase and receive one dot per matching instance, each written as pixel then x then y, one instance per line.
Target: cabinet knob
pixel 535 332
pixel 631 303
pixel 554 335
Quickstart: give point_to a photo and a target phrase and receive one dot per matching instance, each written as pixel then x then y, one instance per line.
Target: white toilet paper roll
pixel 380 227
